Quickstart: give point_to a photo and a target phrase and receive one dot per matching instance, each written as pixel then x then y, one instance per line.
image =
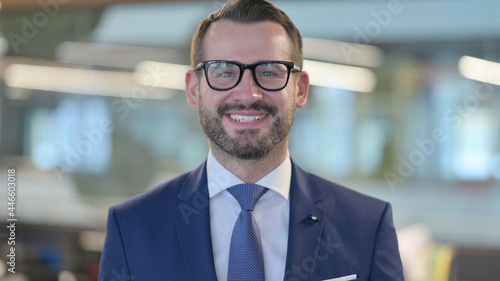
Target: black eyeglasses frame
pixel 289 65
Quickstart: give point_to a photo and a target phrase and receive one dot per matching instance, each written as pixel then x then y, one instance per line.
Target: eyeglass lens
pixel 224 75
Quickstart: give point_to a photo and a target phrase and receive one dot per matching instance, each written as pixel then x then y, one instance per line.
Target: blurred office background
pixel 404 105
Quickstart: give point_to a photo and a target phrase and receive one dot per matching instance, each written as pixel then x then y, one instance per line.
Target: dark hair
pixel 246 12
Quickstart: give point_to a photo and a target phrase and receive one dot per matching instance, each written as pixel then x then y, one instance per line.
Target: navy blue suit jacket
pixel 164 234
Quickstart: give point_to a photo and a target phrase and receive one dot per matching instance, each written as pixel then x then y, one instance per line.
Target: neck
pixel 251 170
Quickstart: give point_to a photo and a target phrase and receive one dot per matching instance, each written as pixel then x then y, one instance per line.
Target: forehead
pixel 246 43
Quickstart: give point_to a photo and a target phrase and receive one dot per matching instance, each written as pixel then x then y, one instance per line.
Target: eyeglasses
pixel 269 75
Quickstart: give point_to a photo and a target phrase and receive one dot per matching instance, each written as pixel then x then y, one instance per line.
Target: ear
pixel 192 89
pixel 302 89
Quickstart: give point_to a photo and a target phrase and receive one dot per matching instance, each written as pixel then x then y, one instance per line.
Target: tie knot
pixel 247 194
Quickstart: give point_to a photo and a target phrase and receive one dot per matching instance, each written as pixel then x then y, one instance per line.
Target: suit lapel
pixel 304 233
pixel 192 222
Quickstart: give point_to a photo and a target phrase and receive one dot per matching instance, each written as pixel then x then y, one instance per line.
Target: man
pixel 246 83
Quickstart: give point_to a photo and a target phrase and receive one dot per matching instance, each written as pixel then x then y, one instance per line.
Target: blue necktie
pixel 246 259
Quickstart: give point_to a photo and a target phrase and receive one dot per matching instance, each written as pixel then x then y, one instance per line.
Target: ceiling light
pixel 162 75
pixel 480 70
pixel 68 80
pixel 78 81
pixel 345 77
pixel 343 52
pixel 108 55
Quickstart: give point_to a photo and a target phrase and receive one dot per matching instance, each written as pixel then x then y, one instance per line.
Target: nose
pixel 247 91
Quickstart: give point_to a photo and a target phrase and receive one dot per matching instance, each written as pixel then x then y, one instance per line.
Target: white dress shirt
pixel 271 214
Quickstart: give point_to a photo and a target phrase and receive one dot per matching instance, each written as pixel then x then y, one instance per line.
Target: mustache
pixel 258 106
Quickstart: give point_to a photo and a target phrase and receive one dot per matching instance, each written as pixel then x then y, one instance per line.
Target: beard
pixel 248 143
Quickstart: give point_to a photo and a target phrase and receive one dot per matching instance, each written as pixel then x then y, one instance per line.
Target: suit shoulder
pixel 347 197
pixel 164 193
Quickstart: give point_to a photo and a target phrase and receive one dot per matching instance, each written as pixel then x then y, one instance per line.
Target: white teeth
pixel 246 118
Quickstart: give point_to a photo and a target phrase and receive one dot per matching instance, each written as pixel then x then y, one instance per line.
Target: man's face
pixel 247 121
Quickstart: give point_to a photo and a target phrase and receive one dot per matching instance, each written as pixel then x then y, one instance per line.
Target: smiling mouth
pixel 246 118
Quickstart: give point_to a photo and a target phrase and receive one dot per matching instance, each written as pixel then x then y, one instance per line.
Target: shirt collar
pixel 220 179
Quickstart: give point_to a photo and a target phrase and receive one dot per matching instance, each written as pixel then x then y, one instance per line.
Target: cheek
pixel 284 100
pixel 210 100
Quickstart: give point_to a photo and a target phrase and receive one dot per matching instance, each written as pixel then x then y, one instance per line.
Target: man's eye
pixel 268 74
pixel 226 74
